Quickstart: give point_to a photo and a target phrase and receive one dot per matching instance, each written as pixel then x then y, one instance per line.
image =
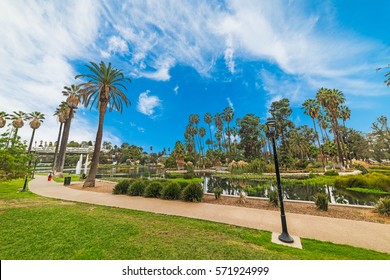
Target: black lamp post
pixel 284 237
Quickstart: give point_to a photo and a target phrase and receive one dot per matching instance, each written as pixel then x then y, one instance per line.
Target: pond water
pixel 299 192
pixel 256 188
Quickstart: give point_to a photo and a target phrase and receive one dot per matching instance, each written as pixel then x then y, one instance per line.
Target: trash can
pixel 67 181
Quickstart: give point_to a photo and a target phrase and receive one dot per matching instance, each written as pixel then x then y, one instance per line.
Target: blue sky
pixel 188 57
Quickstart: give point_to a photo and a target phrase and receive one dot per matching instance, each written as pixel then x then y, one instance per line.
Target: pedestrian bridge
pixel 69 150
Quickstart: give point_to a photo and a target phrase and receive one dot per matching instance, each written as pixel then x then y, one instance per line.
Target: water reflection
pixel 257 188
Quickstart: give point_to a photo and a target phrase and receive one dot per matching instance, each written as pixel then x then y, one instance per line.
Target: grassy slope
pixel 33 227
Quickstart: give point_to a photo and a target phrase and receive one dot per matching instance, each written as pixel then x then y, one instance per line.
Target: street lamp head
pixel 271 124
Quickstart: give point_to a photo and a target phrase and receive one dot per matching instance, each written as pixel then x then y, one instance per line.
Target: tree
pixel 387 75
pixel 249 134
pixel 104 87
pixel 3 117
pixel 208 119
pixel 62 114
pixel 18 119
pixel 228 115
pixel 73 98
pixel 312 109
pixel 330 101
pixel 36 121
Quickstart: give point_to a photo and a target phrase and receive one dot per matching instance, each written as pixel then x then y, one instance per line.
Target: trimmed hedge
pixel 153 189
pixel 122 187
pixel 137 188
pixel 171 191
pixel 193 192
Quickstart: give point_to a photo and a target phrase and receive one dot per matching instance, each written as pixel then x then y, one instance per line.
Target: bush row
pixel 164 189
pixel 371 181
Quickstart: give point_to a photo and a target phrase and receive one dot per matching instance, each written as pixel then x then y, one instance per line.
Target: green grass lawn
pixel 34 227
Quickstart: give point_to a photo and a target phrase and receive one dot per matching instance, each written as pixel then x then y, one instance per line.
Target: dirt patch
pixel 341 212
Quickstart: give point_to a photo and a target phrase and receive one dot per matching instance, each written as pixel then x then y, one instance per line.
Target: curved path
pixel 368 235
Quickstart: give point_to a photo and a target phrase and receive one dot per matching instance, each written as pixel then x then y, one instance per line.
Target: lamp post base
pixel 285 237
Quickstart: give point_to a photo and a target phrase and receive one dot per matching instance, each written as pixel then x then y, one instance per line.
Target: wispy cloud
pixel 229 52
pixel 147 104
pixel 230 103
pixel 176 90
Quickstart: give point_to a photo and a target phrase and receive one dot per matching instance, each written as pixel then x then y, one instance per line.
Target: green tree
pixel 18 119
pixel 36 121
pixel 73 98
pixel 312 109
pixel 330 101
pixel 104 88
pixel 208 119
pixel 249 134
pixel 228 115
pixel 62 113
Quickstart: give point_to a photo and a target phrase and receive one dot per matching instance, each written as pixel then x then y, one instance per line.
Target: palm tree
pixel 18 119
pixel 330 100
pixel 228 115
pixel 3 117
pixel 36 121
pixel 219 124
pixel 62 112
pixel 345 114
pixel 202 133
pixel 208 119
pixel 73 94
pixel 104 87
pixel 312 109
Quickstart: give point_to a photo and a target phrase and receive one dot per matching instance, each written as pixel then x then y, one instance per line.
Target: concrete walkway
pixel 356 233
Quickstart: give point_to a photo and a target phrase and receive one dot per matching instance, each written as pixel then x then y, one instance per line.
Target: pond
pixel 252 188
pixel 255 188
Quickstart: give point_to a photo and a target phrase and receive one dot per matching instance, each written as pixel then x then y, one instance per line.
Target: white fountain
pixel 78 166
pixel 86 165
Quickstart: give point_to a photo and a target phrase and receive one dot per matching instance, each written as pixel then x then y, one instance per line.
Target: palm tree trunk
pixel 337 139
pixel 56 149
pixel 31 141
pixel 64 143
pixel 319 146
pixel 211 136
pixel 14 138
pixel 90 181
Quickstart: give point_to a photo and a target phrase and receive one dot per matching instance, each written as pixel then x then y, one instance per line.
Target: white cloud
pixel 176 90
pixel 38 41
pixel 229 52
pixel 141 129
pixel 147 104
pixel 230 103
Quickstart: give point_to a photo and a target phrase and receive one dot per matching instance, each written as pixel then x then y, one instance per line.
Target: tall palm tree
pixel 36 121
pixel 73 95
pixel 228 115
pixel 345 114
pixel 202 133
pixel 104 88
pixel 312 109
pixel 219 124
pixel 330 101
pixel 62 112
pixel 208 119
pixel 3 117
pixel 18 119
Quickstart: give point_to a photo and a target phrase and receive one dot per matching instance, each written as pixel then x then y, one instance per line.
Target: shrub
pixel 361 168
pixel 217 192
pixel 383 206
pixel 122 187
pixel 182 184
pixel 153 190
pixel 137 188
pixel 331 173
pixel 301 164
pixel 188 175
pixel 193 192
pixel 321 201
pixel 273 197
pixel 256 166
pixel 171 191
